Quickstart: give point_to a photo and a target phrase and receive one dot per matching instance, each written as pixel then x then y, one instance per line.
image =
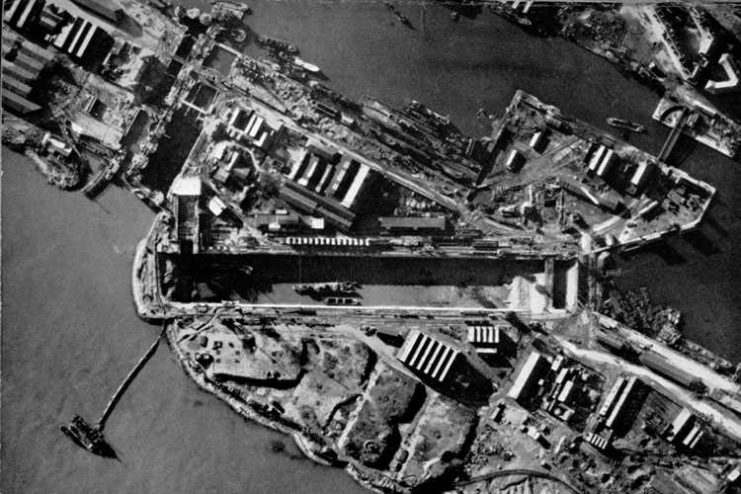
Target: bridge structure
pixel 676 132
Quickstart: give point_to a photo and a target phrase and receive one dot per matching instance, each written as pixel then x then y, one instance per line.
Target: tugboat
pixel 626 125
pixel 88 437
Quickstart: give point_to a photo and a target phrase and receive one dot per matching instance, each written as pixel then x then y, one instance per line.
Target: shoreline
pixel 304 444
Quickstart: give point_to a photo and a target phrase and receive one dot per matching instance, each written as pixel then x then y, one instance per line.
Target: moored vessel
pixel 626 125
pixel 319 291
pixel 88 436
pixel 309 67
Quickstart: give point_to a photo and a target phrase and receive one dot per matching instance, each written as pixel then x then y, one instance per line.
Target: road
pixel 710 378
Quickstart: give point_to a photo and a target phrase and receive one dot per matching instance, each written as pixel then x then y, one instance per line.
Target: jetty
pixel 90 436
pixel 128 380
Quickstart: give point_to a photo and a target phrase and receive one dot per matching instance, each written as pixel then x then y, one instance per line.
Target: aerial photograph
pixel 353 246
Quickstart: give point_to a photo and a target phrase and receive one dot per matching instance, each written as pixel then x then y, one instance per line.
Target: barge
pixel 620 123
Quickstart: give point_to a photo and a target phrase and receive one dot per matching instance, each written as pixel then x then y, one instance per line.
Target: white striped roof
pixel 10 12
pixel 26 13
pixel 341 241
pixel 63 35
pixel 427 355
pixel 80 52
pixel 484 335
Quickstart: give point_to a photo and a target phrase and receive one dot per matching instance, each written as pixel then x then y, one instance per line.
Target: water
pixel 70 332
pixel 70 335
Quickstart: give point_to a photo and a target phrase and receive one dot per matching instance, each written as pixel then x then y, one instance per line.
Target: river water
pixel 70 333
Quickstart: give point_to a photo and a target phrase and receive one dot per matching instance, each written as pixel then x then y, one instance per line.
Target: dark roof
pixel 413 222
pixel 18 87
pixel 19 104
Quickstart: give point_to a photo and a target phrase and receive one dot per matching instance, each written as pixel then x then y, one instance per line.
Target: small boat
pixel 626 125
pixel 309 67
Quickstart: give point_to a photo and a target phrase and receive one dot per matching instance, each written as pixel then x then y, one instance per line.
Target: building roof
pixel 38 52
pixel 21 11
pixel 622 402
pixel 187 186
pixel 612 396
pixel 107 9
pixel 311 202
pixel 427 355
pixel 484 335
pixel 19 104
pixel 413 222
pixel 18 87
pixel 528 373
pixel 681 424
pixel 216 206
pixel 641 173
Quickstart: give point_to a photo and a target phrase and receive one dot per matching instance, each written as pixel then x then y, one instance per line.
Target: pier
pixel 128 380
pixel 90 436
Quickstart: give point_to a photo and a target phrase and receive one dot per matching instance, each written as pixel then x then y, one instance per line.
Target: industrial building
pixel 601 160
pixel 531 371
pixel 327 242
pixel 23 61
pixel 323 182
pixel 275 222
pixel 414 224
pixel 312 203
pixel 685 430
pixel 247 125
pixel 187 192
pixel 642 175
pixel 427 356
pixel 620 401
pixel 599 442
pixel 539 141
pixel 612 395
pixel 514 161
pixel 486 339
pixel 80 38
